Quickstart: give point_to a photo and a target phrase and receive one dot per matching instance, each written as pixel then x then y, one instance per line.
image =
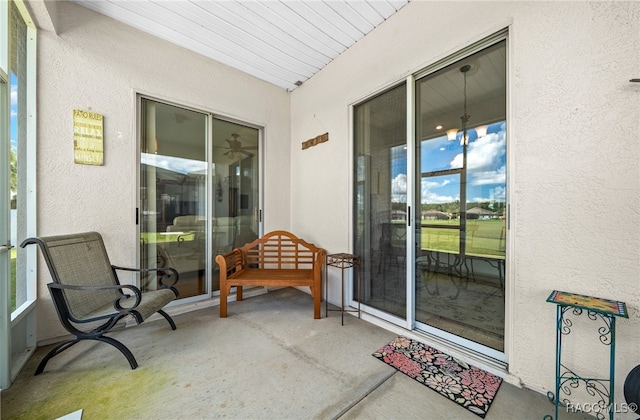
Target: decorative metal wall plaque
pixel 88 142
pixel 316 140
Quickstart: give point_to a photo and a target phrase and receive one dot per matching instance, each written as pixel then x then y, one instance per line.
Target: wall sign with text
pixel 88 144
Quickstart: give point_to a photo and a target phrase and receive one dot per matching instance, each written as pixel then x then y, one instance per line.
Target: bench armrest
pixel 230 263
pixel 318 264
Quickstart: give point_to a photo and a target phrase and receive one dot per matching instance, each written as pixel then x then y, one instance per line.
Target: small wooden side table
pixel 342 261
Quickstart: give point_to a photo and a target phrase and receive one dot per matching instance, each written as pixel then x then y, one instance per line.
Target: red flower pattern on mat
pixel 480 381
pixel 443 384
pixel 474 398
pixel 448 365
pixel 387 349
pixel 467 385
pixel 423 355
pixel 404 364
pixel 402 342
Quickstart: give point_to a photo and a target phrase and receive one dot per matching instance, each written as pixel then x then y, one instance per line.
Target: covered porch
pixel 268 359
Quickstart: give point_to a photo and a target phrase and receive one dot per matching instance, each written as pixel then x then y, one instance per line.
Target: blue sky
pixel 13 123
pixel 486 162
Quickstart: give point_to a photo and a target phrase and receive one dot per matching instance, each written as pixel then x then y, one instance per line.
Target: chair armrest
pixel 116 304
pixel 162 275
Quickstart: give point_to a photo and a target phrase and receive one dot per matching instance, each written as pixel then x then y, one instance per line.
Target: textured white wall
pixel 574 154
pixel 97 63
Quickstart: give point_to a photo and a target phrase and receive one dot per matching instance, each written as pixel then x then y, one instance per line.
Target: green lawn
pixel 163 237
pixel 484 237
pixel 14 252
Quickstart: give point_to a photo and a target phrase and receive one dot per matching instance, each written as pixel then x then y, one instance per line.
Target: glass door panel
pixel 235 203
pixel 461 161
pixel 380 216
pixel 173 181
pixel 17 155
pixel 17 183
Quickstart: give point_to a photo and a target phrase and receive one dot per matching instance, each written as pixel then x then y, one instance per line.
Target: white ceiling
pixel 283 42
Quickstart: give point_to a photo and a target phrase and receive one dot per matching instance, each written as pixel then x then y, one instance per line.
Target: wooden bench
pixel 279 258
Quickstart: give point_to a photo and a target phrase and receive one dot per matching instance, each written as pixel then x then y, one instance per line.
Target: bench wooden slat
pixel 279 259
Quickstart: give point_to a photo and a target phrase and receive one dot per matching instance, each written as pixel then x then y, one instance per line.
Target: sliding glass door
pixel 430 207
pixel 199 192
pixel 380 127
pixel 235 177
pixel 173 194
pixel 460 190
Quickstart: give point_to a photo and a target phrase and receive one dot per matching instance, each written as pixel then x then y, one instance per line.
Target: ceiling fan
pixel 236 148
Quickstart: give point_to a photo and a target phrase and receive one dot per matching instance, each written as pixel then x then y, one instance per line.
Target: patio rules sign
pixel 88 145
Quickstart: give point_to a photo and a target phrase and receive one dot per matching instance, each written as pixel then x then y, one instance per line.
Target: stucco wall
pixel 573 154
pixel 99 64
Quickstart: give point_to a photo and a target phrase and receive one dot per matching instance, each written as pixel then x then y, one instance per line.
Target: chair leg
pixel 54 352
pixel 62 347
pixel 123 349
pixel 168 318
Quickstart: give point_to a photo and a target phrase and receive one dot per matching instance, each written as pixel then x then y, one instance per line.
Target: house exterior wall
pixel 573 155
pixel 95 63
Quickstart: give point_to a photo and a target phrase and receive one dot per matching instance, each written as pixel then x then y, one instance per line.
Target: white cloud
pixel 14 96
pixel 433 198
pixel 489 177
pixel 399 189
pixel 175 164
pixel 483 152
pixel 428 195
pixel 14 101
pixel 498 194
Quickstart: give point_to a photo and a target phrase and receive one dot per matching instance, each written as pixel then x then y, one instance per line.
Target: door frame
pixel 18 327
pixel 410 323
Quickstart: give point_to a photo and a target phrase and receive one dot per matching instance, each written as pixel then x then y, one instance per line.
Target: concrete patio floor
pixel 268 360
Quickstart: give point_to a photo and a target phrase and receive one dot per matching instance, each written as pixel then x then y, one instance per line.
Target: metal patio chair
pixel 88 296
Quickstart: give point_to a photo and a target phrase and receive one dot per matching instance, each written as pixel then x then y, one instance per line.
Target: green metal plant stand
pixel 603 311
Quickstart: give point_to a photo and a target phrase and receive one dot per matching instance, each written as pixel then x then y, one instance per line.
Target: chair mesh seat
pixel 149 304
pixel 86 289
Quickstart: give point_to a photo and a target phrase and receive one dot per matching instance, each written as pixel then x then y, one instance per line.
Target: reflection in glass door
pixel 235 201
pixel 380 205
pixel 173 194
pixel 199 193
pixel 461 160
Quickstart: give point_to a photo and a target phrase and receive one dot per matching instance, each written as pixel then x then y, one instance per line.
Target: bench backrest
pixel 281 250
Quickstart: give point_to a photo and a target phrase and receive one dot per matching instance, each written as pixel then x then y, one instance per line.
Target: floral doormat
pixel 469 386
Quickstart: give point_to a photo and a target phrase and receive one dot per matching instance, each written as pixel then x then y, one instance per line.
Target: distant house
pixel 480 213
pixel 398 215
pixel 435 215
